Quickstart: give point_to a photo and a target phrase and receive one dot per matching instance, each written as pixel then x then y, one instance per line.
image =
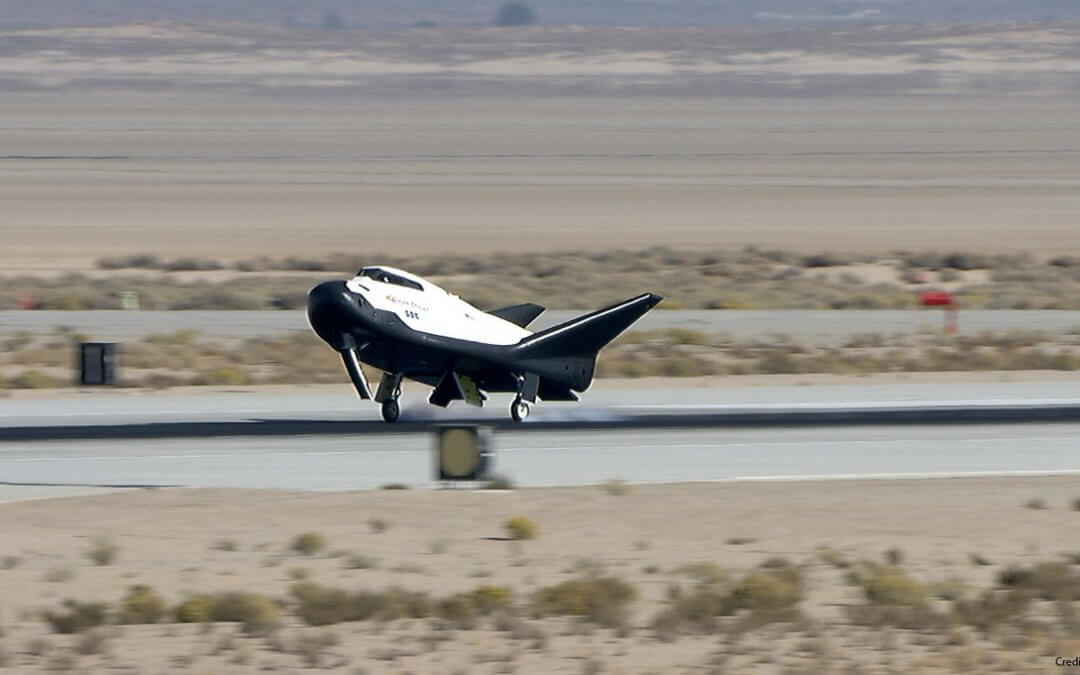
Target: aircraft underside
pixel 411 329
pixel 452 379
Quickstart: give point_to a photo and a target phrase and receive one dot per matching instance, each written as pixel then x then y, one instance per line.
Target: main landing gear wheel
pixel 390 410
pixel 519 410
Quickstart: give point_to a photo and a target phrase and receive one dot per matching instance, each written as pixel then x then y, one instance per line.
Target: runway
pixel 556 458
pixel 103 416
pixel 334 442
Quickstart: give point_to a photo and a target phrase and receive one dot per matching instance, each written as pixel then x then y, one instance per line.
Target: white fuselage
pixel 427 308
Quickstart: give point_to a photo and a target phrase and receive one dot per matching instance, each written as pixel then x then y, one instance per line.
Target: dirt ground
pixel 442 542
pixel 93 168
pixel 87 180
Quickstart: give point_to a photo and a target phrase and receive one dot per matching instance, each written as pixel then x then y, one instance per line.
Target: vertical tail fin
pixel 567 353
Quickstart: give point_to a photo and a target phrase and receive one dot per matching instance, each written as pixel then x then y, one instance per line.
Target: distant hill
pixel 332 14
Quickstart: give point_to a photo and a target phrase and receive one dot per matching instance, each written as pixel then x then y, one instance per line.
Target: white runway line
pixel 796 478
pixel 796 443
pixel 858 405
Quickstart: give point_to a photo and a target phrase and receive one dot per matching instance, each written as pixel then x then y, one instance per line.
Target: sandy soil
pixel 449 541
pixel 228 142
pixel 235 180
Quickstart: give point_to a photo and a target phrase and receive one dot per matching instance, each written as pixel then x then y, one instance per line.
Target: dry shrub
pixel 257 614
pixel 617 487
pixel 768 589
pixel 749 278
pixel 138 260
pixel 397 603
pixel 224 376
pixel 299 573
pixel 834 557
pixel 103 550
pixel 520 629
pixel 459 611
pixel 696 612
pixel 319 605
pixel 1048 580
pixel 520 528
pixel 951 589
pixel 768 595
pixel 357 561
pixel 891 585
pixel 80 616
pixel 500 482
pixel 704 572
pixel 308 543
pixel 894 599
pixel 35 379
pixel 94 641
pixel 993 608
pixel 922 618
pixel 195 609
pixel 141 605
pixel 603 600
pixel 488 599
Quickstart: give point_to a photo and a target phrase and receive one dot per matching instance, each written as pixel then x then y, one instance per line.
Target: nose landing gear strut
pixel 388 393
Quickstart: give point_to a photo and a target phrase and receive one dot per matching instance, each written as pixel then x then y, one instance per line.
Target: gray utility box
pixel 97 363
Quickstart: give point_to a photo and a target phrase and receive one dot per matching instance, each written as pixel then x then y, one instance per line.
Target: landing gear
pixel 528 386
pixel 519 409
pixel 390 410
pixel 387 395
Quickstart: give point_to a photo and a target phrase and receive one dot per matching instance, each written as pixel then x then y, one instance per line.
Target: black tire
pixel 519 410
pixel 390 410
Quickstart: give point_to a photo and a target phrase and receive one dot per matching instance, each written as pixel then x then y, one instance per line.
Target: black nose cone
pixel 332 310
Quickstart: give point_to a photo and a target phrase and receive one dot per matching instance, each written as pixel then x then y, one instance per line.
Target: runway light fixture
pixel 463 453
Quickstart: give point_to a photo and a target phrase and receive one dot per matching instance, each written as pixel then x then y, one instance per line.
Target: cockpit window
pixel 388 278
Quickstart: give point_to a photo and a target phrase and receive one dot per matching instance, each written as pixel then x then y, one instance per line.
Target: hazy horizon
pixel 472 13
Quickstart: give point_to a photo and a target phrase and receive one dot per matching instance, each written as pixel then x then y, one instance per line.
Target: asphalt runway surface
pixel 600 442
pixel 556 458
pixel 104 416
pixel 815 326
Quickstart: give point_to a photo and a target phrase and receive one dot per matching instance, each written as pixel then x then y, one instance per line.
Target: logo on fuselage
pixel 407 303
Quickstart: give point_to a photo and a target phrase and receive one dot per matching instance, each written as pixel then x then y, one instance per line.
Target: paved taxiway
pixel 99 407
pixel 346 459
pixel 556 458
pixel 148 417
